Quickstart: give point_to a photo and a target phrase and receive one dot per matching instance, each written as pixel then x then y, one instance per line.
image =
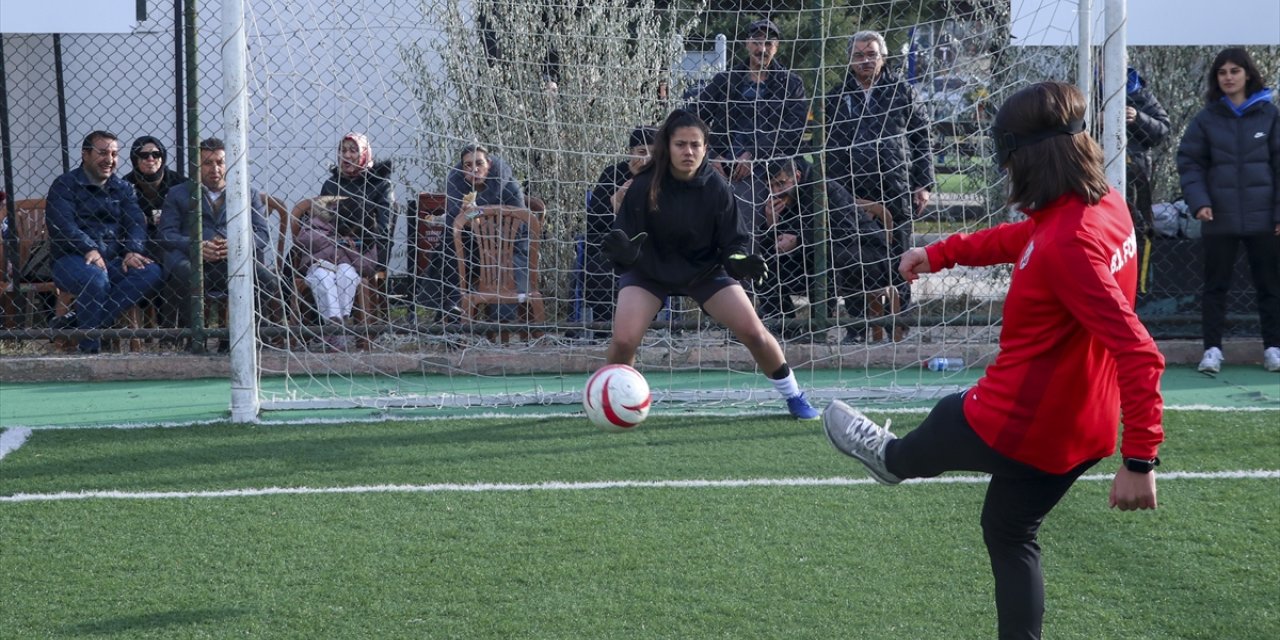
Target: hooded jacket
pixel 1229 159
pixel 151 190
pixel 694 230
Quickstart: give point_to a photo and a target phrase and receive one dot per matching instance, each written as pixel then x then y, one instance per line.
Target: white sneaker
pixel 1211 362
pixel 1271 358
pixel 857 436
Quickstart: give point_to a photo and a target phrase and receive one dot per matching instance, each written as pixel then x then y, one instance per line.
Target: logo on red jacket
pixel 1026 255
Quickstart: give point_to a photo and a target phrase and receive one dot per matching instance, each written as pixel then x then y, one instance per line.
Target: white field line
pixel 490 413
pixel 484 487
pixel 11 439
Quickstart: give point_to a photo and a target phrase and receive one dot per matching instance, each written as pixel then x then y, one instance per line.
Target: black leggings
pixel 1019 496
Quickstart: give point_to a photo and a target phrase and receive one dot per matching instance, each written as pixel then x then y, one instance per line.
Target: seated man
pixel 860 260
pixel 98 238
pixel 175 230
pixel 599 288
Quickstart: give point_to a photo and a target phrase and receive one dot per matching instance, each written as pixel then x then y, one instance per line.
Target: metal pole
pixel 819 312
pixel 195 298
pixel 61 88
pixel 179 95
pixel 6 150
pixel 1114 76
pixel 240 246
pixel 1084 50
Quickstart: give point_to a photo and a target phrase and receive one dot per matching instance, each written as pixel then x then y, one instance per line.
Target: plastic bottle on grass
pixel 945 364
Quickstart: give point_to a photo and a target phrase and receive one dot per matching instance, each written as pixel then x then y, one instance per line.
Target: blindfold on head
pixel 1007 142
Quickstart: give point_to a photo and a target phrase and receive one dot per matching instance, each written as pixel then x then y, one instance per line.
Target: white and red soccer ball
pixel 616 398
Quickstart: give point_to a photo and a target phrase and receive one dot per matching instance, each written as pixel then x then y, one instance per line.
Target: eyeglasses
pixel 150 155
pixel 859 56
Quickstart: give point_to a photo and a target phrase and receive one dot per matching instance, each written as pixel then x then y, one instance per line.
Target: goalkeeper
pixel 678 232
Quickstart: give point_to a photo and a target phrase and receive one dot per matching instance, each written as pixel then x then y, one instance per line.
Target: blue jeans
pixel 101 296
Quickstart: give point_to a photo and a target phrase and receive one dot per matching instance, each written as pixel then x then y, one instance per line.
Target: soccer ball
pixel 616 398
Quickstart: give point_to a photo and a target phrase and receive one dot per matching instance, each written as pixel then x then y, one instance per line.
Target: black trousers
pixel 1263 253
pixel 1019 497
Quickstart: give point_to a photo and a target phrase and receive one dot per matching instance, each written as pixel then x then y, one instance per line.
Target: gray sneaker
pixel 855 435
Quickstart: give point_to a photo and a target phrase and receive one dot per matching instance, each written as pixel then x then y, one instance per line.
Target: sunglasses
pixel 150 155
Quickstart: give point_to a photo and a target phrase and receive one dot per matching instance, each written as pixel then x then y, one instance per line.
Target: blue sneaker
pixel 798 407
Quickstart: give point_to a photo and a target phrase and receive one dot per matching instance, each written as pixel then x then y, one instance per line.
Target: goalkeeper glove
pixel 620 249
pixel 747 267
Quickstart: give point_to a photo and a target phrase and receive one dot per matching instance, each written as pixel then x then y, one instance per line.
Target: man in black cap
pixel 599 280
pixel 757 111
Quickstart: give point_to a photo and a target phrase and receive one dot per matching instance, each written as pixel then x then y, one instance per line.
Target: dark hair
pixel 1044 170
pixel 96 136
pixel 660 161
pixel 472 148
pixel 1240 57
pixel 781 165
pixel 213 144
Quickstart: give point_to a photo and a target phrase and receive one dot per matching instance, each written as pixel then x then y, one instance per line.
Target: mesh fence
pixel 552 91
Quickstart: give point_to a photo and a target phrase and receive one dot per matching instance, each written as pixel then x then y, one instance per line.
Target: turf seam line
pixel 485 487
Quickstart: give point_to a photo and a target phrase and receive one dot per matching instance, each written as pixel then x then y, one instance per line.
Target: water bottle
pixel 945 364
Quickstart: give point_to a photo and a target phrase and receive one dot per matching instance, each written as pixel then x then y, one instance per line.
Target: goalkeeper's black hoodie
pixel 693 230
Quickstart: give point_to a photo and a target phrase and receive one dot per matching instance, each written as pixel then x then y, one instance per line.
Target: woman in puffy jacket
pixel 1229 163
pixel 358 176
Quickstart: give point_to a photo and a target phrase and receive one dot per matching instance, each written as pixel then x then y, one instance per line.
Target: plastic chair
pixel 488 275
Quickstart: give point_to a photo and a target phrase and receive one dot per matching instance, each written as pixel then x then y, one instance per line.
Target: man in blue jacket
pixel 175 229
pixel 98 237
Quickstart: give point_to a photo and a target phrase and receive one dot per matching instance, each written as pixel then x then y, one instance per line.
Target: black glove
pixel 744 267
pixel 620 249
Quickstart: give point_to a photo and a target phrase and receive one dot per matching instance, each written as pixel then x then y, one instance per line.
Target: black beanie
pixel 642 136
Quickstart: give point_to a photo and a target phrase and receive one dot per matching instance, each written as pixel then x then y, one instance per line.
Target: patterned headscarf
pixel 366 154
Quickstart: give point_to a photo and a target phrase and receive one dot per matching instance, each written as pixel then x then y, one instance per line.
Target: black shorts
pixel 701 291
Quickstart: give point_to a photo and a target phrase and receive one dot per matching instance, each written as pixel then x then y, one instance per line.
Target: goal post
pixel 552 92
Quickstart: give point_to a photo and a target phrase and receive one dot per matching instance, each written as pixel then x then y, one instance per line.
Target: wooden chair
pixel 32 232
pixel 487 276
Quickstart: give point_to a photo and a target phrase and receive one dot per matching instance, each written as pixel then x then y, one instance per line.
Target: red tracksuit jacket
pixel 1073 353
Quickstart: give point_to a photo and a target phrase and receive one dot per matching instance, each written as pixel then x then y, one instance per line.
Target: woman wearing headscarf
pixel 151 180
pixel 359 177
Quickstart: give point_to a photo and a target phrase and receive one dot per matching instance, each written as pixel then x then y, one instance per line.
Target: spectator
pixel 598 290
pixel 1147 125
pixel 678 232
pixel 477 181
pixel 176 226
pixel 98 239
pixel 1229 163
pixel 757 111
pixel 151 180
pixel 859 259
pixel 783 237
pixel 878 144
pixel 334 257
pixel 358 176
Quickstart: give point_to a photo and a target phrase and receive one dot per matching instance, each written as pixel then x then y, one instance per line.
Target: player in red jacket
pixel 1073 353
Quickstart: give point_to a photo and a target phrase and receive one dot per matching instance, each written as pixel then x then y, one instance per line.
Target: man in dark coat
pixel 97 239
pixel 757 111
pixel 1147 125
pixel 878 144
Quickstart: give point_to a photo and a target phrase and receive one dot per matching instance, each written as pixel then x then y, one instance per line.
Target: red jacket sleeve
pixel 1001 244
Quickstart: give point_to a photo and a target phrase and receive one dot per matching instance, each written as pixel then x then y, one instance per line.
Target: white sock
pixel 787 386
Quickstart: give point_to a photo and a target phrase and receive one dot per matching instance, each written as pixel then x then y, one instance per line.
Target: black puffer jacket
pixel 372 187
pixel 695 229
pixel 1229 160
pixel 880 146
pixel 1149 128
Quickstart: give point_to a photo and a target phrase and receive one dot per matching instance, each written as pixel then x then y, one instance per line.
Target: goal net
pixel 515 309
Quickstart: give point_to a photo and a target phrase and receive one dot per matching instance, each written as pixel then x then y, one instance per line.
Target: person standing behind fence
pixel 1147 126
pixel 756 111
pixel 878 144
pixel 98 237
pixel 1073 357
pixel 358 176
pixel 1229 163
